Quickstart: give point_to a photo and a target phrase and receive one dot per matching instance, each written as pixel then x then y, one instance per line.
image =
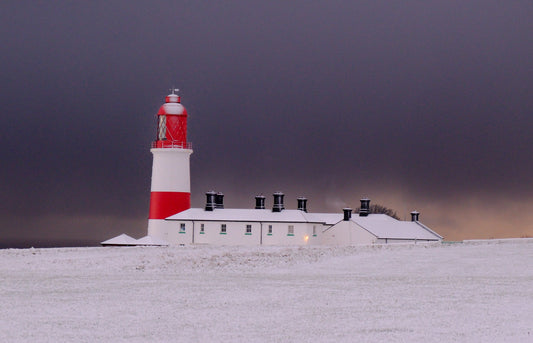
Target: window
pixel 202 228
pixel 182 227
pixel 290 231
pixel 248 229
pixel 314 230
pixel 270 230
pixel 222 229
pixel 162 129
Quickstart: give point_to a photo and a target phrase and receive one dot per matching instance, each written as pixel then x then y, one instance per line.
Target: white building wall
pixel 358 235
pixel 302 234
pixel 168 231
pixel 235 233
pixel 182 236
pixel 346 233
pixel 315 233
pixel 342 233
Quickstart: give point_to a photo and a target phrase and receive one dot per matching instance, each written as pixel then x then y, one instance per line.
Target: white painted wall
pixel 236 233
pixel 167 231
pixel 280 234
pixel 346 233
pixel 342 233
pixel 358 235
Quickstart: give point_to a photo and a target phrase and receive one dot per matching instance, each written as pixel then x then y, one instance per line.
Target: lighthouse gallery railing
pixel 171 144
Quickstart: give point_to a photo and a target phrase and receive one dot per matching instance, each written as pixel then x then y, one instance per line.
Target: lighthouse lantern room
pixel 172 124
pixel 170 189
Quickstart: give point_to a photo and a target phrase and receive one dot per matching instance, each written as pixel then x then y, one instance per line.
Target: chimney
pixel 278 202
pixel 365 207
pixel 414 216
pixel 210 204
pixel 347 213
pixel 302 204
pixel 259 202
pixel 219 200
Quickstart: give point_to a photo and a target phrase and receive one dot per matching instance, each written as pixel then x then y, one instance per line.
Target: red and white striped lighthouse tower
pixel 171 181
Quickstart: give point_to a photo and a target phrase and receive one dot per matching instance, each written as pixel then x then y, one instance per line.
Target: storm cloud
pixel 423 106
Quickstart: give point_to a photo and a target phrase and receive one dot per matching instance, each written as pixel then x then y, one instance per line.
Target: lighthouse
pixel 170 191
pixel 172 221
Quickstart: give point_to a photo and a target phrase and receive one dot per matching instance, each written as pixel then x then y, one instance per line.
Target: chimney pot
pixel 278 202
pixel 365 207
pixel 210 204
pixel 414 216
pixel 219 200
pixel 302 203
pixel 260 202
pixel 347 213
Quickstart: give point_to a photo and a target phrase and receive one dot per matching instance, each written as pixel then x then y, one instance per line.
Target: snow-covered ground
pixel 471 292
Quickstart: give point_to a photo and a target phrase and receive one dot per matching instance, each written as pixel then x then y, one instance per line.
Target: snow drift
pixel 475 292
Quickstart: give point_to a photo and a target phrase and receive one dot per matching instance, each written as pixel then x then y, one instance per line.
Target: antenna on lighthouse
pixel 174 90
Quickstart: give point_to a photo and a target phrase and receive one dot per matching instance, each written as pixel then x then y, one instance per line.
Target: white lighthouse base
pixel 170 194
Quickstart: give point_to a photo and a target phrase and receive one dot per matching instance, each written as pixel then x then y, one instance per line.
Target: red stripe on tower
pixel 165 204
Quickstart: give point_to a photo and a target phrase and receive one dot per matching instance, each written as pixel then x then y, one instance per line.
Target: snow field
pixel 473 292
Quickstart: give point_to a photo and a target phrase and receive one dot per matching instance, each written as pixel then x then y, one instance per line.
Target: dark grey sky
pixel 424 105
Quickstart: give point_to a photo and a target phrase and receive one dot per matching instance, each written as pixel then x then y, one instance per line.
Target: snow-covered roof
pixel 149 240
pixel 326 218
pixel 383 226
pixel 120 240
pixel 130 241
pixel 249 215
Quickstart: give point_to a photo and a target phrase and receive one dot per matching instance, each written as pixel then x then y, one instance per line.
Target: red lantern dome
pixel 172 124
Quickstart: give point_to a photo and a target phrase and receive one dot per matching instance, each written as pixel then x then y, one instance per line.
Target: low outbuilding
pixel 377 229
pixel 120 240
